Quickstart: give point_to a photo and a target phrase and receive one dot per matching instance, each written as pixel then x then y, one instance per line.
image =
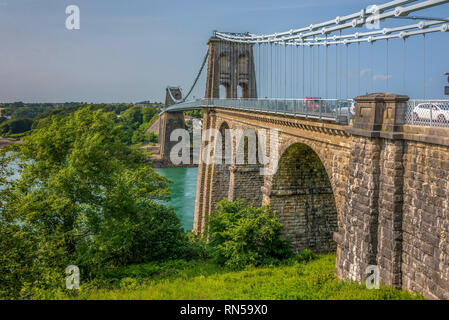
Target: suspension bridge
pixel 312 71
pixel 363 174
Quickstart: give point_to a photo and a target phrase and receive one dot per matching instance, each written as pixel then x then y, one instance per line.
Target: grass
pixel 205 281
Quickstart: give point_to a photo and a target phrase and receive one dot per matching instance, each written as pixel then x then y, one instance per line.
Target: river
pixel 183 192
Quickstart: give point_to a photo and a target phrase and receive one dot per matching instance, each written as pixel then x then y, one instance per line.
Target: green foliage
pixel 135 121
pixel 84 198
pixel 197 280
pixel 15 126
pixel 241 235
pixel 198 113
pixel 306 255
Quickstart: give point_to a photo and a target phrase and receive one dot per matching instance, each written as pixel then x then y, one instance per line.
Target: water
pixel 183 192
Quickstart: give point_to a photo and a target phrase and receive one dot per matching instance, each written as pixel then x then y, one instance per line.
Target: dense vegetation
pixel 204 280
pixel 135 121
pixel 24 117
pixel 84 198
pixel 15 126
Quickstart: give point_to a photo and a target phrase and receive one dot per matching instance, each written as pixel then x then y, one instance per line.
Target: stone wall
pixel 397 215
pixel 425 256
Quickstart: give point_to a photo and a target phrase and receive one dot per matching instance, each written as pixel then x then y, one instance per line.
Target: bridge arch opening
pixel 246 149
pixel 302 195
pixel 223 92
pixel 239 92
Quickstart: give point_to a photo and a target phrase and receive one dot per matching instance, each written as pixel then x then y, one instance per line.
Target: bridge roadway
pixel 320 109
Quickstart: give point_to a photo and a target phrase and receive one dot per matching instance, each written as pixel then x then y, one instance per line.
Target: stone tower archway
pixel 231 65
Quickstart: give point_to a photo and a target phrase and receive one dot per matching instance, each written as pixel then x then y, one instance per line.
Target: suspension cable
pixel 197 77
pixel 327 77
pixel 404 65
pixel 424 66
pixel 347 71
pixel 358 63
pixel 388 71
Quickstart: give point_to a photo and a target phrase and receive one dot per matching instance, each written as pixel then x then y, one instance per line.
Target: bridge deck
pixel 322 109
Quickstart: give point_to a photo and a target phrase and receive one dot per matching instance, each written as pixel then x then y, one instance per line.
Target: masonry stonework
pixel 168 122
pixel 380 186
pixel 376 190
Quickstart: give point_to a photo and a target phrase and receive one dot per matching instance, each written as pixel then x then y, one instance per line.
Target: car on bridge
pixel 345 108
pixel 317 105
pixel 431 112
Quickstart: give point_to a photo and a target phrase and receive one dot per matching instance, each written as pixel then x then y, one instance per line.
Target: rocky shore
pixel 158 162
pixel 6 142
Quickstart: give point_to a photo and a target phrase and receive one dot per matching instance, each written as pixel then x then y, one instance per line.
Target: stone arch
pixel 223 91
pixel 246 180
pixel 321 153
pixel 245 151
pixel 239 92
pixel 302 194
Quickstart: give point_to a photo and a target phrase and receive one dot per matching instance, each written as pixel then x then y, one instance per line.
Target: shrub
pixel 306 255
pixel 241 235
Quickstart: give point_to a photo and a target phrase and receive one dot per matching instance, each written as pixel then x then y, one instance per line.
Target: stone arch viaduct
pixel 375 191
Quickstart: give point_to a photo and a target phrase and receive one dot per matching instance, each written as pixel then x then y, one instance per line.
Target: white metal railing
pixel 433 113
pixel 340 111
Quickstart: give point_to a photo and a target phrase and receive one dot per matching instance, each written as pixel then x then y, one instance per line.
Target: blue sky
pixel 128 51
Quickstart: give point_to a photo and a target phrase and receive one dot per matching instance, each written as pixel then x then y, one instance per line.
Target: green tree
pixel 84 198
pixel 198 113
pixel 241 235
pixel 132 117
pixel 15 126
pixel 148 113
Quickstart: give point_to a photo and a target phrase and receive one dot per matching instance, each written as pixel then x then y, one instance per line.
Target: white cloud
pixel 364 71
pixel 382 77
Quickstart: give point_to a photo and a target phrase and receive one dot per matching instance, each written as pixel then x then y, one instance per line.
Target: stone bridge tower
pixel 170 121
pixel 231 65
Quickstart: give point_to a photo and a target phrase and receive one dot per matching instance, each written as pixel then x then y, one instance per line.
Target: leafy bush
pixel 306 255
pixel 241 235
pixel 153 137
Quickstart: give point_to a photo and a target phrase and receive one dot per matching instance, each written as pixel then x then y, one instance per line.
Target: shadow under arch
pixel 302 195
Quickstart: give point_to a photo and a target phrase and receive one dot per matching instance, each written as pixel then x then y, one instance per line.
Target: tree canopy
pixel 84 198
